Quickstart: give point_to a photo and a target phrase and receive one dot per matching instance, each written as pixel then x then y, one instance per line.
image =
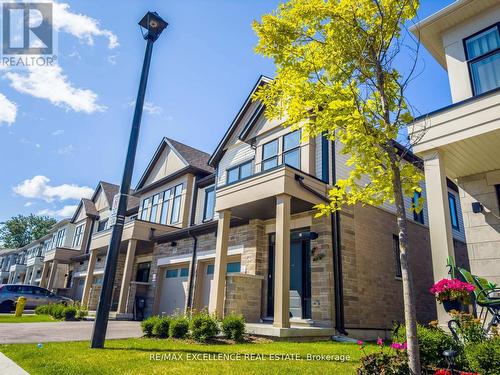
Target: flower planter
pixel 452 305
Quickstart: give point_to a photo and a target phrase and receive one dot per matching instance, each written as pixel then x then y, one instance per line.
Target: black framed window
pixel 167 194
pixel 176 204
pixel 61 236
pixel 155 202
pixel 270 155
pixel 397 256
pixel 239 172
pixel 77 239
pixel 142 274
pixel 453 211
pixel 144 209
pixel 102 225
pixel 208 210
pixel 483 56
pixel 291 149
pixel 418 217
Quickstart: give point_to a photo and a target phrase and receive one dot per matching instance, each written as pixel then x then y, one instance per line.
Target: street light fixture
pixel 154 25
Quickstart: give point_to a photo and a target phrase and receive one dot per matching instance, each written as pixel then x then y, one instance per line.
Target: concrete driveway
pixel 17 333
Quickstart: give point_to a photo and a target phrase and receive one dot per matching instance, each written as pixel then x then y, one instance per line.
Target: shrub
pixel 179 327
pixel 433 341
pixel 233 326
pixel 148 324
pixel 69 313
pixel 57 311
pixel 484 357
pixel 470 329
pixel 81 313
pixel 384 363
pixel 42 310
pixel 203 326
pixel 160 328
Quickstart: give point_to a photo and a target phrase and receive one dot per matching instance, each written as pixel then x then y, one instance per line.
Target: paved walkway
pixel 17 333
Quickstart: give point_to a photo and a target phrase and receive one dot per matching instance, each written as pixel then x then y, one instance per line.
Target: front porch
pixel 290 289
pixel 294 331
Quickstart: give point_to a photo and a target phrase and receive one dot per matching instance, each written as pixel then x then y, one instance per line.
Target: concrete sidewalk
pixel 18 333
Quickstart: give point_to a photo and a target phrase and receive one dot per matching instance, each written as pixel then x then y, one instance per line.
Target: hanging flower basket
pixel 452 293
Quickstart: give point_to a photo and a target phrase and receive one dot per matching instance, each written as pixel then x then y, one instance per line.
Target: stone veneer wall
pixel 243 296
pixel 373 295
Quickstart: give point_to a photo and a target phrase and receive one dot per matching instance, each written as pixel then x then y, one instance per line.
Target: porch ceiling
pixel 473 155
pixel 265 209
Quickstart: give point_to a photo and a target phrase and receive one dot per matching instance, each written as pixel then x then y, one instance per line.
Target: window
pixel 154 208
pixel 144 209
pixel 397 256
pixel 61 236
pixel 210 269
pixel 170 274
pixel 143 272
pixel 208 210
pixel 270 155
pixel 233 267
pixel 184 272
pixel 176 204
pixel 239 172
pixel 102 225
pixel 164 208
pixel 418 217
pixel 77 240
pixel 497 188
pixel 483 55
pixel 291 149
pixel 453 211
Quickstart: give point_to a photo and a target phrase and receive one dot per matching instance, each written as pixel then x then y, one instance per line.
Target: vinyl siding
pixel 235 155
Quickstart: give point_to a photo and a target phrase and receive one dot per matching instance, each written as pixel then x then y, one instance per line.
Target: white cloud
pixel 8 110
pixel 49 82
pixel 112 59
pixel 66 211
pixel 29 204
pixel 68 150
pixel 57 132
pixel 149 107
pixel 81 26
pixel 38 187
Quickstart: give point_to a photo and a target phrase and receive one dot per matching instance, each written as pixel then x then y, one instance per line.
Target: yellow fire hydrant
pixel 21 302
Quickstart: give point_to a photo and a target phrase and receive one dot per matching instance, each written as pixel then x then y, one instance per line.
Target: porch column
pixel 27 275
pixel 218 287
pixel 43 277
pixel 33 275
pixel 89 278
pixel 439 218
pixel 127 275
pixel 52 276
pixel 282 262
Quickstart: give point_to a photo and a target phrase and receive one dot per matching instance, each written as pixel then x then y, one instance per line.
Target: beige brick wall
pixel 243 296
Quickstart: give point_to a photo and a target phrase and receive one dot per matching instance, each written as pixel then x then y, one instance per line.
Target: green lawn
pixel 10 318
pixel 134 356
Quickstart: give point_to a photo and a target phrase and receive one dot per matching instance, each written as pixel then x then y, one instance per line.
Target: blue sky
pixel 71 125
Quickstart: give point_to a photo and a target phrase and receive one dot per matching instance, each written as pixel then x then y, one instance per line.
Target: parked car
pixel 35 296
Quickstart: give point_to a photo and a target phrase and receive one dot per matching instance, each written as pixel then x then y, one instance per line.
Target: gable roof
pixel 219 151
pixel 191 156
pixel 89 208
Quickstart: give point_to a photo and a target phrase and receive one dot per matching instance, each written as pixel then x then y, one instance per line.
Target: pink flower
pixel 360 342
pixel 445 285
pixel 405 346
pixel 380 342
pixel 396 345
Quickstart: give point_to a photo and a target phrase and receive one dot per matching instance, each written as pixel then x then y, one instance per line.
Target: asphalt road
pixel 17 333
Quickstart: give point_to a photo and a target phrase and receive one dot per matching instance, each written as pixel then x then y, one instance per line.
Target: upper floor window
pixel 154 207
pixel 270 155
pixel 291 149
pixel 61 236
pixel 167 194
pixel 208 211
pixel 102 225
pixel 418 217
pixel 239 172
pixel 483 55
pixel 453 211
pixel 77 239
pixel 176 204
pixel 144 209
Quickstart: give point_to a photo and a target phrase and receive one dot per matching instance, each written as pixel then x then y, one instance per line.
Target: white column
pixel 127 275
pixel 219 282
pixel 282 262
pixel 33 275
pixel 52 277
pixel 89 278
pixel 439 218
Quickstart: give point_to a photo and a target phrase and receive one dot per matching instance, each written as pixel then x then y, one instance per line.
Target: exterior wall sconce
pixel 477 207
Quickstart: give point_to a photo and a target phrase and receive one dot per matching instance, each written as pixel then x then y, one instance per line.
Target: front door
pixel 300 275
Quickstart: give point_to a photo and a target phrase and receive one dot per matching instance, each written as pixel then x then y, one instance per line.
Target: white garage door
pixel 208 278
pixel 174 290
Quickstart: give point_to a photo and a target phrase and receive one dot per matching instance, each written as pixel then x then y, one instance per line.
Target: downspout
pixel 195 246
pixel 337 258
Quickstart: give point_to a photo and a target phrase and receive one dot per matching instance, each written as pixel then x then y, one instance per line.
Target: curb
pixel 8 366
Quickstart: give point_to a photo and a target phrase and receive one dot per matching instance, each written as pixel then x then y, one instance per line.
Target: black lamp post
pixel 153 24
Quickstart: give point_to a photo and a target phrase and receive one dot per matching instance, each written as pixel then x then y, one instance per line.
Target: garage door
pixel 174 290
pixel 208 279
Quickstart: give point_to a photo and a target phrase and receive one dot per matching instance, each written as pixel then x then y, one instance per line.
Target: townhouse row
pixel 236 231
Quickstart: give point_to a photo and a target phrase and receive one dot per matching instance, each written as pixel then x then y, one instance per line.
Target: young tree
pixel 20 230
pixel 335 76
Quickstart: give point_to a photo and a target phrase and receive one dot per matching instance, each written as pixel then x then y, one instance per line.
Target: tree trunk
pixel 408 291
